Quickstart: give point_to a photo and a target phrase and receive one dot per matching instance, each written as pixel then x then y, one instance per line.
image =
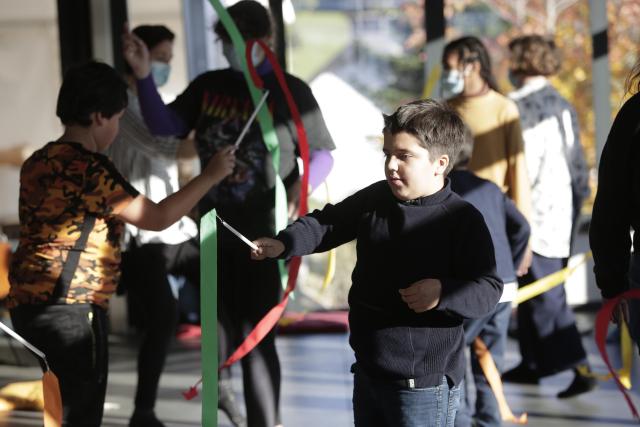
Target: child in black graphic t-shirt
pixel 217 104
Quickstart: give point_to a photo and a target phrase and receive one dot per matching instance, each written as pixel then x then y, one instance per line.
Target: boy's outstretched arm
pixel 148 215
pixel 319 231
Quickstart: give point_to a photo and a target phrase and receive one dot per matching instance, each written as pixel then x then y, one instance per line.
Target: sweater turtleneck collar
pixel 431 200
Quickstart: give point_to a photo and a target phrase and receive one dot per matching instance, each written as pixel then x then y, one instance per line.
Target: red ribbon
pixel 602 325
pixel 267 323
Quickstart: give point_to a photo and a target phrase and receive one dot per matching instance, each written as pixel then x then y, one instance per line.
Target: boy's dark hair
pixel 534 55
pixel 466 149
pixel 252 19
pixel 470 49
pixel 93 87
pixel 437 126
pixel 153 35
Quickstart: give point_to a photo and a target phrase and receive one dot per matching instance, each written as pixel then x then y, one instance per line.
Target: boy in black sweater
pixel 425 261
pixel 510 234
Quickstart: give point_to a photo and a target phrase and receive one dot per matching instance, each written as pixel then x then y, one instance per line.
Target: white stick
pixel 251 119
pixel 23 341
pixel 237 233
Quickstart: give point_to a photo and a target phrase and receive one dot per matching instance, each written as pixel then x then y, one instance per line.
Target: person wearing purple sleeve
pixel 216 105
pixel 425 262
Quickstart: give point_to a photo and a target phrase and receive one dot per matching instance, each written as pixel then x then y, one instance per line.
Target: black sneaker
pixel 580 384
pixel 227 403
pixel 145 419
pixel 521 374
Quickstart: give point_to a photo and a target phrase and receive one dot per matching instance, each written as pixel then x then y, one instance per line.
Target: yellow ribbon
pixel 433 77
pixel 549 282
pixel 331 260
pixel 624 373
pixel 626 346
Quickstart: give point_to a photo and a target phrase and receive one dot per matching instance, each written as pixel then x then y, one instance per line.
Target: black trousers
pixel 153 306
pixel 74 340
pixel 246 291
pixel 547 333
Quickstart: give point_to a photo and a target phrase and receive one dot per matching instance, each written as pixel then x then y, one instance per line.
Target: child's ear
pixel 97 118
pixel 442 164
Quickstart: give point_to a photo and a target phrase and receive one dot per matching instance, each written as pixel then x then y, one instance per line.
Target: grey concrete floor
pixel 316 389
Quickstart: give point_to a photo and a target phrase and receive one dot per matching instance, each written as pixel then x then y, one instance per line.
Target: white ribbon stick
pixel 237 233
pixel 24 342
pixel 251 119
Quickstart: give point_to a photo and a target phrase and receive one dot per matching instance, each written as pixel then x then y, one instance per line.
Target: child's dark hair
pixel 90 88
pixel 152 36
pixel 534 55
pixel 437 126
pixel 470 49
pixel 252 19
pixel 466 149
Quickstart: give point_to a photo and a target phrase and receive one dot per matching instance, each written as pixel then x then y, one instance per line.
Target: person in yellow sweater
pixel 498 153
pixel 470 88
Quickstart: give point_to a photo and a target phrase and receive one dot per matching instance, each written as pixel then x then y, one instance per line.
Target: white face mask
pixel 229 52
pixel 160 72
pixel 452 83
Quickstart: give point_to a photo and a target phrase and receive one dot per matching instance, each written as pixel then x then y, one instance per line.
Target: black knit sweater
pixel 617 206
pixel 398 243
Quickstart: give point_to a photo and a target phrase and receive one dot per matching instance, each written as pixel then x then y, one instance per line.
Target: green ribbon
pixel 209 282
pixel 209 317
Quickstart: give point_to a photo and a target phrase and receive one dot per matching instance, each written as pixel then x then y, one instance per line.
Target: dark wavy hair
pixel 470 49
pixel 93 87
pixel 153 35
pixel 435 124
pixel 252 19
pixel 534 55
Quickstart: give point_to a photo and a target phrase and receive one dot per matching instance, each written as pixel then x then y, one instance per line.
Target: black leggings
pixel 247 290
pixel 74 339
pixel 154 307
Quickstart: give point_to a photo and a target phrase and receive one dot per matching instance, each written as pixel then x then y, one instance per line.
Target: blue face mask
pixel 452 83
pixel 160 72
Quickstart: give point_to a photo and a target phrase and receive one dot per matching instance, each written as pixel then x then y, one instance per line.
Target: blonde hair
pixel 632 82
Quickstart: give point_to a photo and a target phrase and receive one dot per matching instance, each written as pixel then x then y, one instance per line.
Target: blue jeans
pixel 377 403
pixel 492 329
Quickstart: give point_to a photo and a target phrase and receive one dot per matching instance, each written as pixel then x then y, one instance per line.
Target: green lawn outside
pixel 314 40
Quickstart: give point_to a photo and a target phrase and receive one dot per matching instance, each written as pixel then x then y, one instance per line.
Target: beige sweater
pixel 498 152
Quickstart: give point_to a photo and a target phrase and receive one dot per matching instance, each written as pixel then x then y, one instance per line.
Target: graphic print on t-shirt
pixel 222 119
